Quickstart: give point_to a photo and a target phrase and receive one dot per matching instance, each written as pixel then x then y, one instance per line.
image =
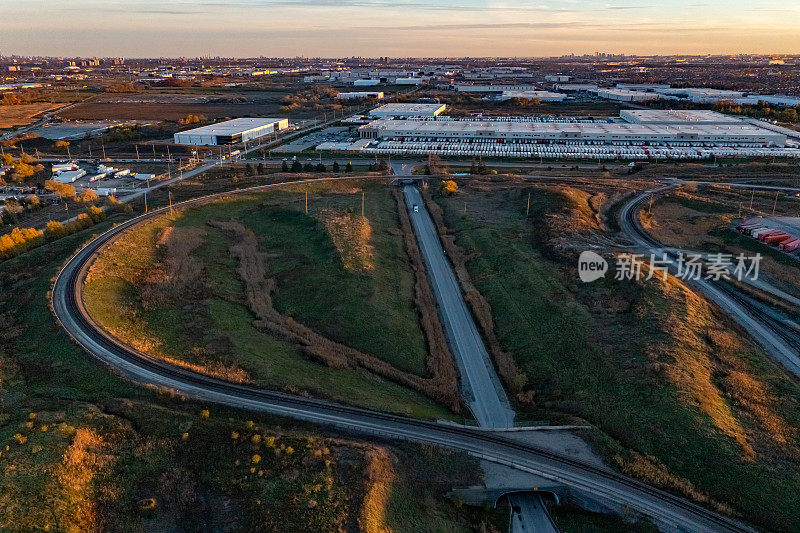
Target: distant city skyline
pixel 406 28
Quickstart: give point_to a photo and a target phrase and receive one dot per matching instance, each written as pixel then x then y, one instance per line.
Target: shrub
pixel 95 214
pixel 87 196
pixel 449 187
pixel 54 230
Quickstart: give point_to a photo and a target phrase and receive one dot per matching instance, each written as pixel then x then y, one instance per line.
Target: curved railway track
pixel 67 301
pixel 777 338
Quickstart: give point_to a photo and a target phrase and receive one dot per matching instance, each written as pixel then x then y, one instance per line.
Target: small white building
pixel 366 83
pixel 408 110
pixel 576 87
pixel 360 95
pixel 624 95
pixel 560 78
pixel 69 176
pixel 544 96
pixel 232 131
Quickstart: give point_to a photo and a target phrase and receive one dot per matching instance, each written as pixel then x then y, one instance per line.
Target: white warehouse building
pixel 232 131
pixel 508 132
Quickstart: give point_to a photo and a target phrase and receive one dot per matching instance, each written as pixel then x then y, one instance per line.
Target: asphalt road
pixel 529 515
pixel 67 301
pixel 480 384
pixel 483 389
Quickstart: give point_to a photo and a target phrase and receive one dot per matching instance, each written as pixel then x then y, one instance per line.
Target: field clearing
pixel 156 111
pixel 23 114
pixel 372 311
pixel 651 365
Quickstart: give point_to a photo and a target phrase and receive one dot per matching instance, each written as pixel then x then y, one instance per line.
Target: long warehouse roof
pixel 439 126
pixel 232 127
pixel 677 116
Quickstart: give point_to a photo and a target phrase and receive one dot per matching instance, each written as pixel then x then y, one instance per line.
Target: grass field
pixel 23 114
pixel 678 396
pixel 212 103
pixel 371 311
pixel 83 450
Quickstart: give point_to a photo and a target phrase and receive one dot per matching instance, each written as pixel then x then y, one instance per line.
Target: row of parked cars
pixel 776 237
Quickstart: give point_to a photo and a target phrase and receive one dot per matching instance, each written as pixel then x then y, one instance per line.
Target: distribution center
pixel 232 131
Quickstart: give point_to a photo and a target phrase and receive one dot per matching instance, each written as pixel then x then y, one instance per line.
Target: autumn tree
pixel 448 187
pixel 62 190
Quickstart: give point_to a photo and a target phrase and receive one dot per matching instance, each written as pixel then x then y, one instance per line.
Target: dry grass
pixel 650 469
pixel 351 237
pixel 253 271
pixel 179 275
pixel 380 476
pixel 23 114
pixel 88 454
pixel 693 368
pixel 702 360
pixel 162 275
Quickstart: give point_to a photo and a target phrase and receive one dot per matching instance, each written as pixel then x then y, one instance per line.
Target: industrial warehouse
pixel 651 134
pixel 232 131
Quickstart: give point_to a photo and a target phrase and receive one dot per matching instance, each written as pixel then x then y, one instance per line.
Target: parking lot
pixel 331 134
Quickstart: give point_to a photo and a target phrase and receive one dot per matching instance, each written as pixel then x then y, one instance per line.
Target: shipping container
pixel 760 231
pixel 778 238
pixel 790 246
pixel 764 234
pixel 752 231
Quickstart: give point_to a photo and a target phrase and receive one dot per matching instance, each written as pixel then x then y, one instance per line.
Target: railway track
pixel 787 352
pixel 67 302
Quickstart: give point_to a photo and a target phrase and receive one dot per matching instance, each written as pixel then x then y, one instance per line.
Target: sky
pixel 401 28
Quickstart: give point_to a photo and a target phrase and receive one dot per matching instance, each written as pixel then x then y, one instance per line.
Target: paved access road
pixel 484 391
pixel 68 306
pixel 529 515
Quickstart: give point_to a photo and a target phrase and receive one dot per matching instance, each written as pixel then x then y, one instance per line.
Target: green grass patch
pixel 587 350
pixel 371 311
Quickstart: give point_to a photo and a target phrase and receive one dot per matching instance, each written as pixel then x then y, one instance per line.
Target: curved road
pixel 67 302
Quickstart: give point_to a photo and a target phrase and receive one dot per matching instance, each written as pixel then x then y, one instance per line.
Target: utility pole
pixel 775 205
pixel 137 151
pixel 751 199
pixel 68 154
pixel 90 150
pixel 104 150
pixel 306 202
pixel 650 207
pixel 169 193
pixel 154 151
pixel 528 209
pixel 145 195
pixel 362 203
